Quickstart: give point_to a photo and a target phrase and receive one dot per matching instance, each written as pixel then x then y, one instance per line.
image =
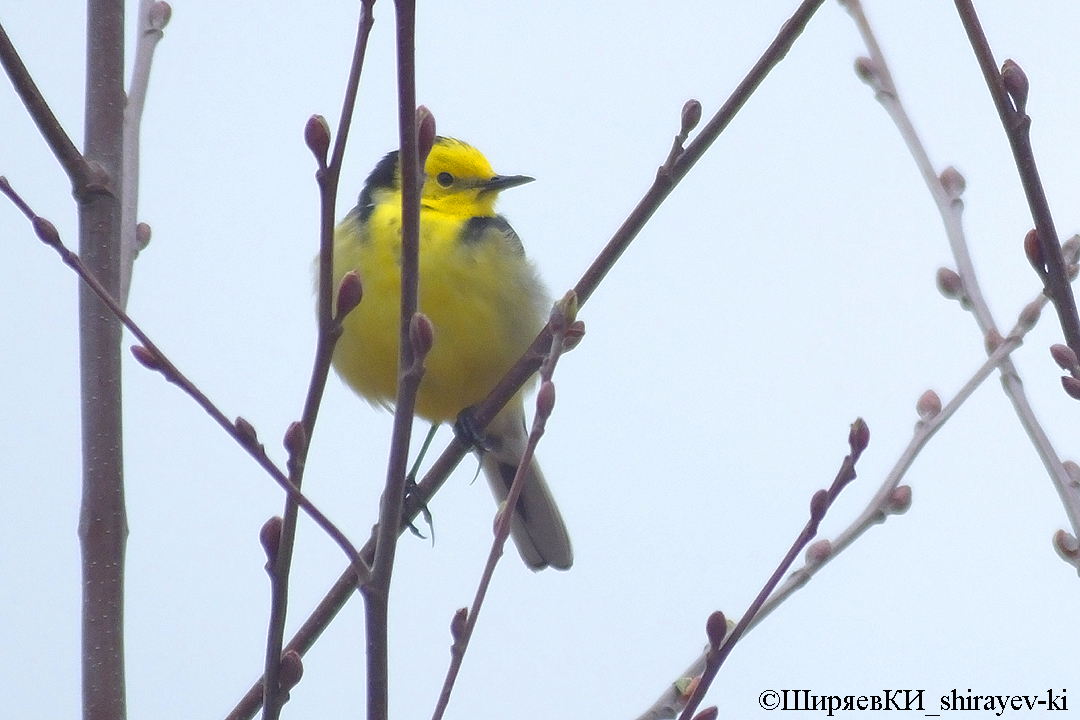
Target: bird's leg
pixel 467 432
pixel 410 484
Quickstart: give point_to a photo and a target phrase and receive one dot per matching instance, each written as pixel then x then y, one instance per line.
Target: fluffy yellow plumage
pixel 484 299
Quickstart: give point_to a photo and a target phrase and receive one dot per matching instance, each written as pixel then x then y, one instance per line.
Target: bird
pixel 486 303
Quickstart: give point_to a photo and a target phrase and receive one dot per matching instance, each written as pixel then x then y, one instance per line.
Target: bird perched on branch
pixel 484 300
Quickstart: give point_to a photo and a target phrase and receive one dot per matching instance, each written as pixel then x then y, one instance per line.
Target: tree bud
pixel 1072 386
pixel 317 137
pixel 1033 250
pixel 691 116
pixel 270 539
pixel 952 182
pixel 716 628
pixel 1016 84
pixel 350 293
pixel 928 405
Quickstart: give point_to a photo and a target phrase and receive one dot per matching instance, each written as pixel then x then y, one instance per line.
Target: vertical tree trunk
pixel 103 519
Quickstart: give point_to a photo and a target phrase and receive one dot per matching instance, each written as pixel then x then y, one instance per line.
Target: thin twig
pixel 74 164
pixel 329 330
pixel 1017 124
pixel 484 412
pixel 566 333
pixel 951 207
pixel 152 17
pixel 151 356
pixel 884 503
pixel 721 643
pixel 415 339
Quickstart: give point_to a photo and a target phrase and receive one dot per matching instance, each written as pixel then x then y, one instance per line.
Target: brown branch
pixel 721 643
pixel 103 516
pixel 455 451
pixel 329 330
pixel 1009 92
pixel 74 164
pixel 566 333
pixel 946 191
pixel 150 356
pixel 415 334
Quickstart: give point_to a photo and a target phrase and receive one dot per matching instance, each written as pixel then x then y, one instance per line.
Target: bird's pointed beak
pixel 502 182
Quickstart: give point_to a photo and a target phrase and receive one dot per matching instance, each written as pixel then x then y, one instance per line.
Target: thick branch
pixel 103 518
pixel 65 151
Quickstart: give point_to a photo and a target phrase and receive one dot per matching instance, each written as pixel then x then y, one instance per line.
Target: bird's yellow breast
pixel 480 292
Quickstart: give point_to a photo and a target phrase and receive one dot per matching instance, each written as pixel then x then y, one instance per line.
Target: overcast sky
pixel 786 288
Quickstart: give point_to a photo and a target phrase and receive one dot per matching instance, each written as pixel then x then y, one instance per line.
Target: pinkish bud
pixel 291 670
pixel 709 713
pixel 317 137
pixel 46 231
pixel 270 539
pixel 350 293
pixel 1016 84
pixel 952 182
pixel 818 552
pixel 421 334
pixel 295 440
pixel 142 236
pixel 993 340
pixel 867 70
pixel 858 437
pixel 1067 546
pixel 716 629
pixel 145 357
pixel 949 284
pixel 691 116
pixel 819 505
pixel 928 405
pixel 247 432
pixel 425 133
pixel 159 16
pixel 1033 251
pixel 1064 357
pixel 1029 316
pixel 1072 386
pixel 900 500
pixel 458 623
pixel 545 399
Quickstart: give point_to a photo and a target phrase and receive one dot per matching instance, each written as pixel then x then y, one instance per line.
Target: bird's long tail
pixel 537 527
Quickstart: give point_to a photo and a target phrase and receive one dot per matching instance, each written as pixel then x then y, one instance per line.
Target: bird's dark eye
pixel 444 179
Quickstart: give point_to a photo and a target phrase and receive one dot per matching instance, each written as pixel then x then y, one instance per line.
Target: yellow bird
pixel 485 301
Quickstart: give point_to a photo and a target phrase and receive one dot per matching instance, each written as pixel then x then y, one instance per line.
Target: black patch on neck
pixel 381 178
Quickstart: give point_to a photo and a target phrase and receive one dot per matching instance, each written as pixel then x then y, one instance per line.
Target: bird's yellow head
pixel 458 180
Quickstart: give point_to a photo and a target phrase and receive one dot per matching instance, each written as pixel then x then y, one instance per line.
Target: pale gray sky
pixel 785 289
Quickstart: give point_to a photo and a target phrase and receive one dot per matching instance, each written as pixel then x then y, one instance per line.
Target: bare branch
pixel 316 134
pixel 1009 92
pixel 484 412
pixel 153 16
pixel 566 332
pixel 946 191
pixel 74 164
pixel 721 642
